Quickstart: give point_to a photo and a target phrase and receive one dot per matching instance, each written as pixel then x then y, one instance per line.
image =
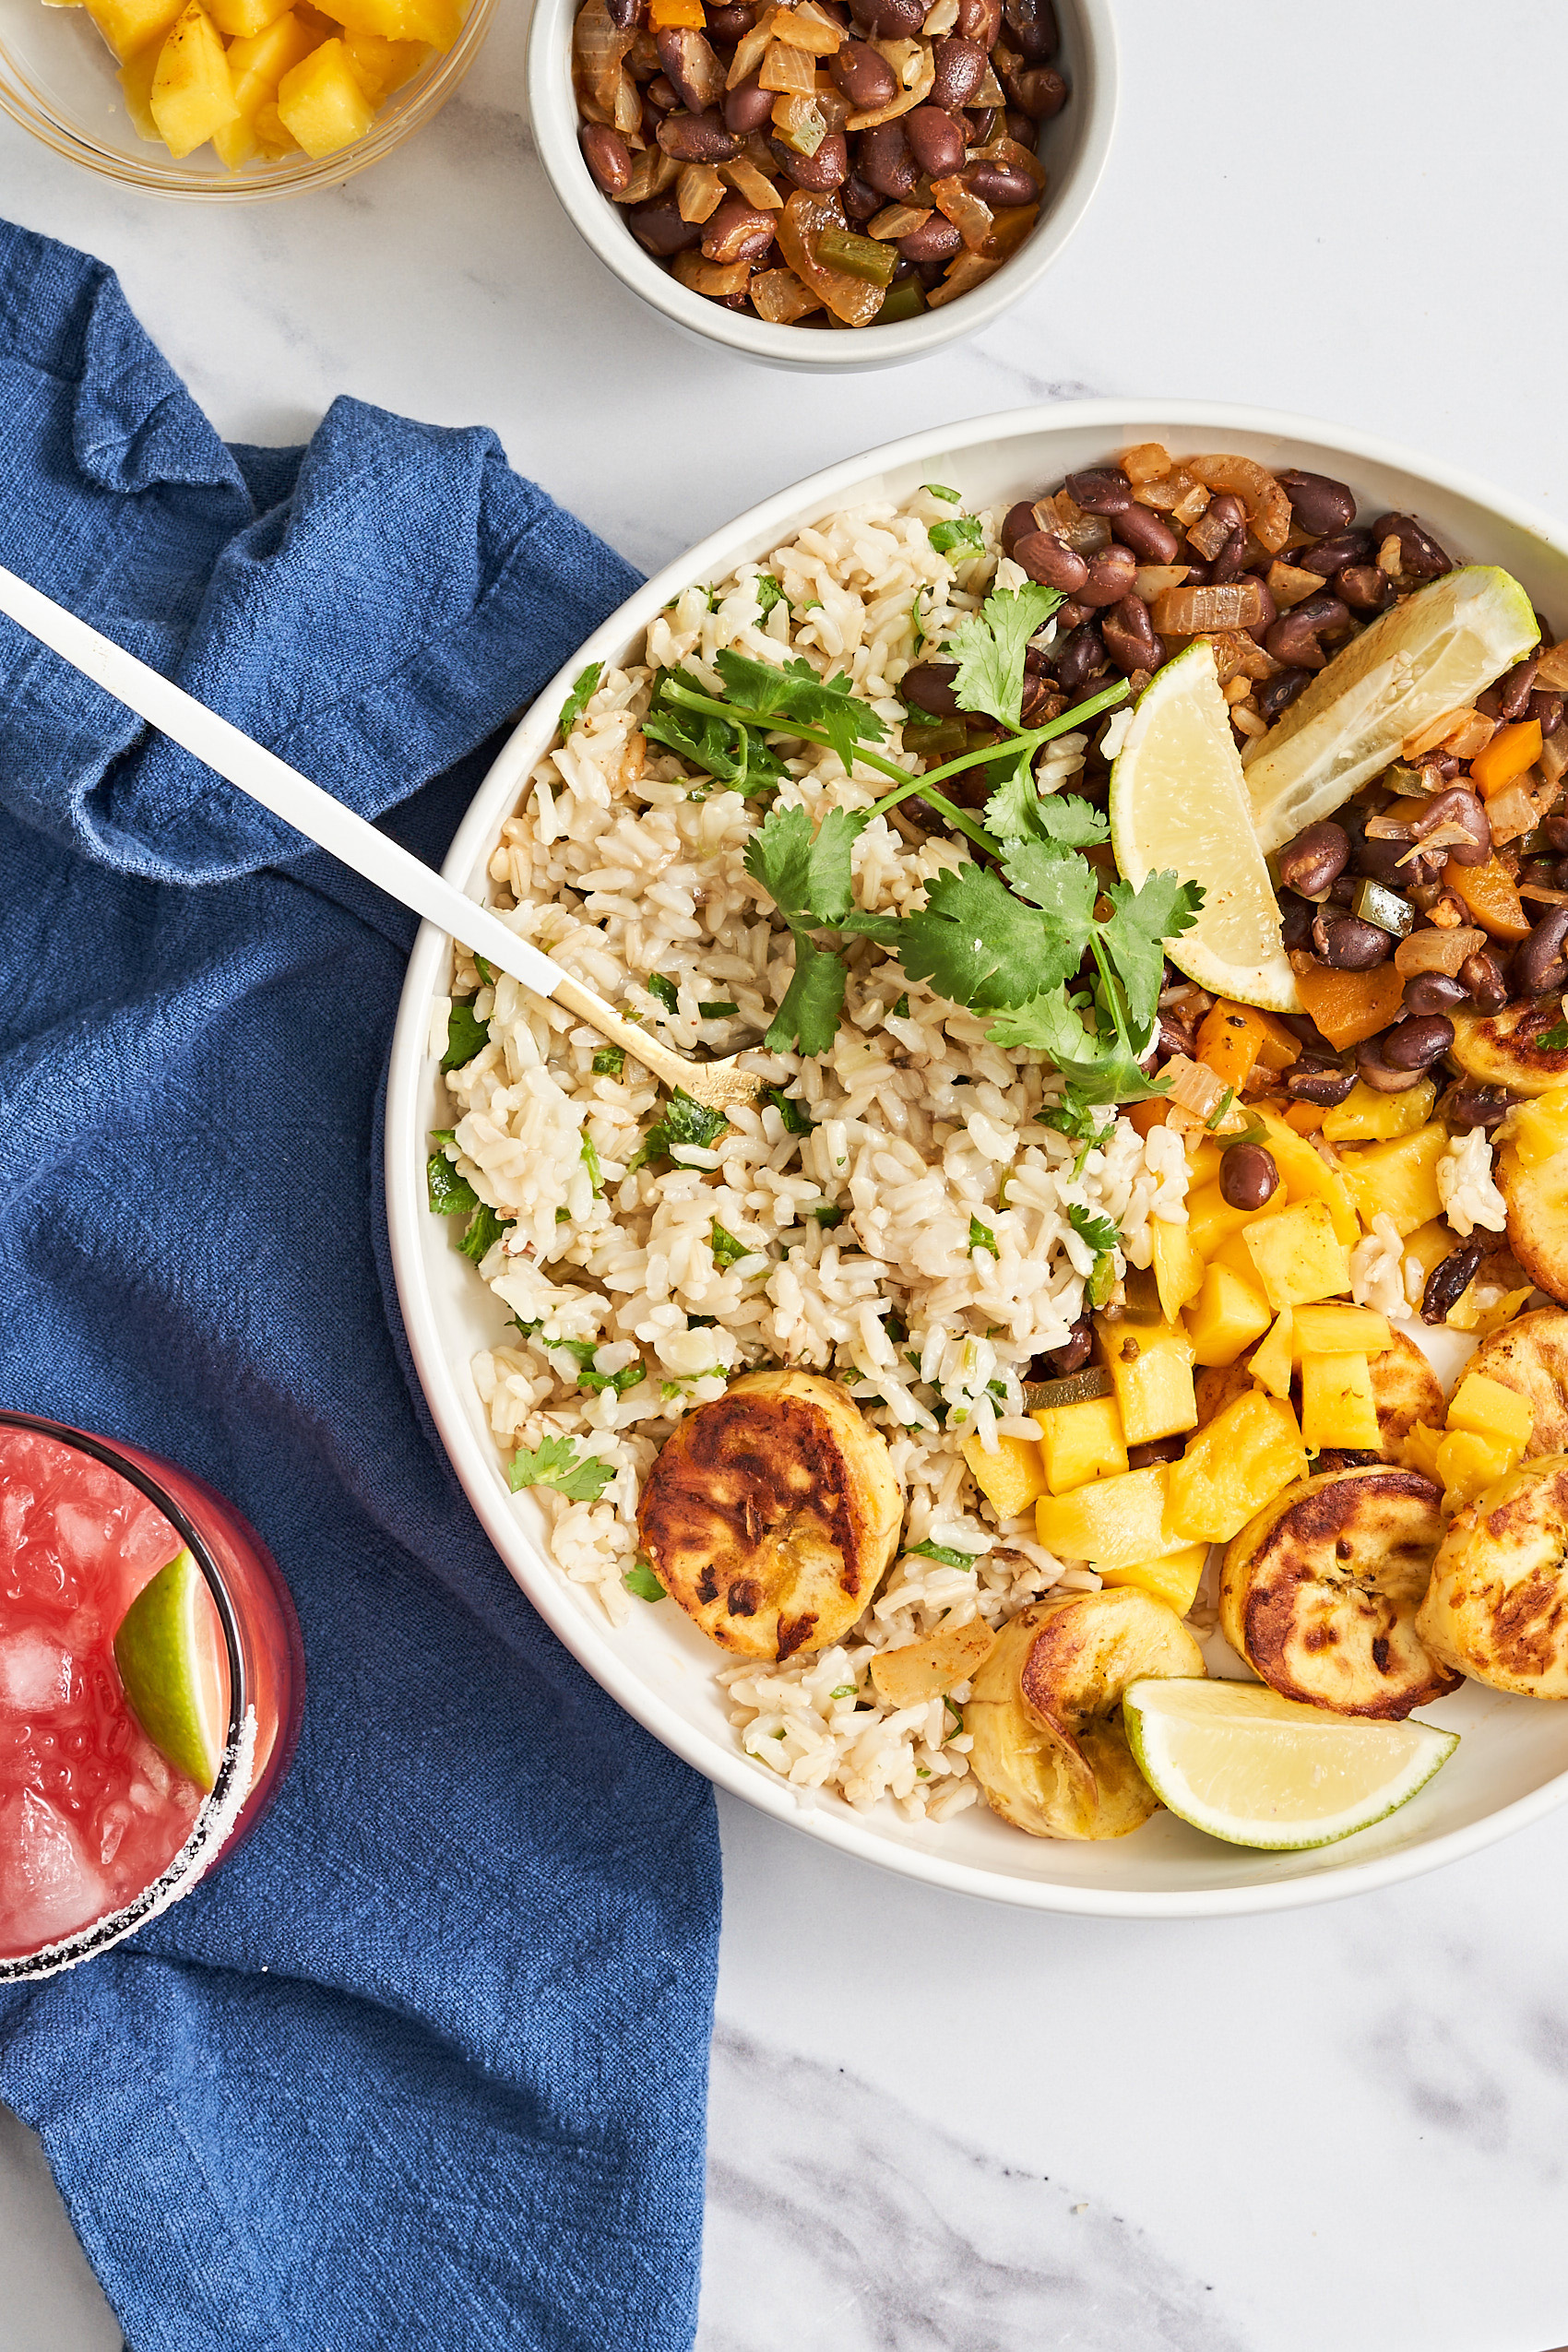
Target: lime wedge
pixel 1435 652
pixel 1178 800
pixel 168 1651
pixel 1244 1764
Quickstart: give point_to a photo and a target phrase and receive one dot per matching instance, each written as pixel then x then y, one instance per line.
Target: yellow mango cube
pixel 1366 1116
pixel 1336 1405
pixel 1151 1365
pixel 193 93
pixel 1429 1244
pixel 1468 1463
pixel 1537 1130
pixel 1419 1446
pixel 241 19
pixel 1230 1314
pixel 321 103
pixel 1491 1411
pixel 258 62
pixel 1174 1580
pixel 136 80
pixel 1081 1442
pixel 1298 1257
pixel 1466 1313
pixel 1211 1220
pixel 1115 1522
pixel 1010 1478
pixel 1273 1357
pixel 437 22
pixel 381 66
pixel 132 25
pixel 1178 1267
pixel 1305 1175
pixel 1334 1329
pixel 1234 1467
pixel 1397 1179
pixel 1204 1155
pixel 273 133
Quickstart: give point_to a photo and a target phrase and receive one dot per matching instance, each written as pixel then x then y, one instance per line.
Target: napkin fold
pixel 423 2064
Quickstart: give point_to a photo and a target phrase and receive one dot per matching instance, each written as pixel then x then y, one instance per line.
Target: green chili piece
pixel 864 258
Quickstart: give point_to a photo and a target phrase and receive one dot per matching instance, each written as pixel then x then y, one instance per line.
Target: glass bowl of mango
pixel 237 100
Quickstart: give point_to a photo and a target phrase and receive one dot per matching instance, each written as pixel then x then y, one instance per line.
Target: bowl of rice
pixel 849 1227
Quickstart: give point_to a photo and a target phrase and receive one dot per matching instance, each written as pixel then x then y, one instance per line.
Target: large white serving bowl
pixel 1073 147
pixel 1512 1764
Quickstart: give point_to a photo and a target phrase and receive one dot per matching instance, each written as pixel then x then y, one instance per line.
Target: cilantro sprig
pixel 555 1463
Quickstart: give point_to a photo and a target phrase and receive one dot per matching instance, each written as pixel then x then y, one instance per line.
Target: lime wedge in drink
pixel 1239 1761
pixel 1178 800
pixel 1435 652
pixel 169 1650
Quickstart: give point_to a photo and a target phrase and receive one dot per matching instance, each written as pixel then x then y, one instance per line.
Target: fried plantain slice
pixel 1537 1200
pixel 1045 1717
pixel 1319 1593
pixel 772 1514
pixel 1497 1605
pixel 1504 1049
pixel 1530 1355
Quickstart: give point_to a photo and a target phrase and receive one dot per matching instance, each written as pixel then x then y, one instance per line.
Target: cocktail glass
pixel 92 1820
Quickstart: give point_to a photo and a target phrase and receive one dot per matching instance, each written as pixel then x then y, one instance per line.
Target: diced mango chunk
pixel 1010 1478
pixel 131 26
pixel 258 62
pixel 241 19
pixel 436 23
pixel 1490 1410
pixel 1211 1220
pixel 1334 1329
pixel 1174 1580
pixel 1273 1357
pixel 1468 1463
pixel 1151 1366
pixel 1178 1267
pixel 1306 1175
pixel 1397 1179
pixel 1366 1116
pixel 1419 1446
pixel 1429 1244
pixel 1298 1257
pixel 1336 1405
pixel 1230 1314
pixel 193 94
pixel 381 66
pixel 1081 1442
pixel 136 80
pixel 1115 1522
pixel 1233 1467
pixel 1537 1130
pixel 321 103
pixel 273 133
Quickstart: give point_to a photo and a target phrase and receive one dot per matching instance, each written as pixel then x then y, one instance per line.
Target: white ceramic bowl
pixel 1072 148
pixel 1512 1764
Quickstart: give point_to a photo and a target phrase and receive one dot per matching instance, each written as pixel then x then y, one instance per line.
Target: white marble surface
pixel 938 2127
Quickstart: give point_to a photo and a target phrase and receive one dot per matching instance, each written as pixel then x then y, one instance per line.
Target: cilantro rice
pixel 896 1216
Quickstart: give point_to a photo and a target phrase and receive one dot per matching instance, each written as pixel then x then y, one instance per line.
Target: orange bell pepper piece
pixel 664 16
pixel 1233 1039
pixel 1505 758
pixel 1348 1006
pixel 1487 891
pixel 1142 1116
pixel 1306 1118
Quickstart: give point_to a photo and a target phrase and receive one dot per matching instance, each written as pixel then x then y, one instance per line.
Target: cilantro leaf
pixel 608 1062
pixel 584 687
pixel 1098 1232
pixel 684 1122
pixel 640 1579
pixel 778 855
pixel 484 1228
pixel 726 1250
pixel 768 594
pixel 944 1556
pixel 988 647
pixel 1163 908
pixel 980 946
pixel 1057 881
pixel 583 1352
pixel 1100 1069
pixel 717 1012
pixel 797 692
pixel 797 1120
pixel 1555 1038
pixel 962 537
pixel 664 990
pixel 900 1010
pixel 590 1158
pixel 486 973
pixel 916 626
pixel 723 748
pixel 981 1237
pixel 465 1035
pixel 807 1020
pixel 826 1213
pixel 554 1462
pixel 1020 810
pixel 449 1193
pixel 940 490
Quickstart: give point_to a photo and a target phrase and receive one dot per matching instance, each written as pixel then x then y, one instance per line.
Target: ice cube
pixel 83 1532
pixel 35 1673
pixel 147 1543
pixel 47 1885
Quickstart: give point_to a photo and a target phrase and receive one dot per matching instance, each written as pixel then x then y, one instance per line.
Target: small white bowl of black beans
pixel 825 183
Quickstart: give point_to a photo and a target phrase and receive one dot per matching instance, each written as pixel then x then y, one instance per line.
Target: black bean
pixel 1018 127
pixel 1037 90
pixel 1017 523
pixel 860 203
pixel 929 686
pixel 1076 1351
pixel 1347 945
pixel 1032 24
pixel 1322 1082
pixel 747 107
pixel 699 138
pixel 827 167
pixel 1434 992
pixel 1248 1176
pixel 1155 1449
pixel 1318 503
pixel 958 69
pixel 885 163
pixel 979 21
pixel 607 156
pixel 1295 920
pixel 1081 657
pixel 1364 588
pixel 1130 639
pixel 737 231
pixel 1457 805
pixel 1448 1280
pixel 1050 561
pixel 691 66
pixel 731 22
pixel 1100 490
pixel 935 141
pixel 1293 638
pixel 1111 575
pixel 1420 558
pixel 1315 859
pixel 1546 710
pixel 1513 689
pixel 1418 1042
pixel 1540 962
pixel 1149 535
pixel 1375 1070
pixel 1000 185
pixel 1276 694
pixel 1391 862
pixel 865 78
pixel 662 92
pixel 932 241
pixel 1469 1107
pixel 894 19
pixel 660 228
pixel 1483 981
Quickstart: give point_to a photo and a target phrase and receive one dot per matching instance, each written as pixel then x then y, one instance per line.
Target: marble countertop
pixel 937 2126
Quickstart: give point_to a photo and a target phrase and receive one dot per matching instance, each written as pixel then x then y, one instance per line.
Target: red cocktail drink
pixel 99 1828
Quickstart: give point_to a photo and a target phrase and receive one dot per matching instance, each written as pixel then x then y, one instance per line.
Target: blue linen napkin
pixel 424 2064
